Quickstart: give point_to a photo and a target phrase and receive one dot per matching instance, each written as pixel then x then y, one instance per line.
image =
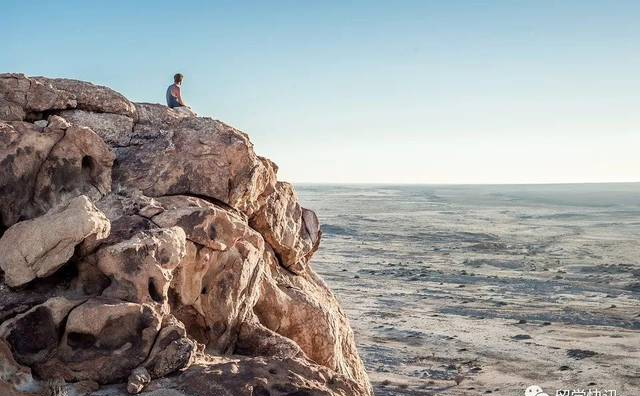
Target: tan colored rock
pixel 303 309
pixel 14 377
pixel 37 248
pixel 91 97
pixel 44 168
pixel 246 376
pixel 159 116
pixel 220 271
pixel 79 163
pixel 141 268
pixel 21 95
pixel 197 156
pixel 172 351
pixel 204 223
pixel 207 256
pixel 115 129
pixel 137 380
pixel 23 149
pixel 103 341
pixel 256 340
pixel 33 335
pixel 292 231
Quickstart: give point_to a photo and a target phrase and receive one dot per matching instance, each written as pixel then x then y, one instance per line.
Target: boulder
pixel 37 248
pixel 172 351
pixel 141 268
pixel 292 231
pixel 288 303
pixel 196 156
pixel 44 168
pixel 21 96
pixel 219 273
pixel 25 98
pixel 254 339
pixel 14 377
pixel 115 129
pixel 104 339
pixel 33 335
pixel 137 380
pixel 91 97
pixel 158 116
pixel 252 376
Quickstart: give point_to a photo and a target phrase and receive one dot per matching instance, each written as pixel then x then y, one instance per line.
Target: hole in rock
pixel 212 232
pixel 260 390
pixel 34 116
pixel 80 340
pixel 154 292
pixel 88 164
pixel 3 228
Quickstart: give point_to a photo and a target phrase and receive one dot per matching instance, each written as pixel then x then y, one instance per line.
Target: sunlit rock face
pixel 144 249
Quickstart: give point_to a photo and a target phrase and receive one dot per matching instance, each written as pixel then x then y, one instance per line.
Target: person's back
pixel 174 95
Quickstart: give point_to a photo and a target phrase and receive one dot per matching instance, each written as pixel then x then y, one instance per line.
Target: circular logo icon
pixel 534 390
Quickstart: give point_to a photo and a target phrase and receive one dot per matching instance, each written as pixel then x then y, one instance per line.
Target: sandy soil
pixel 467 291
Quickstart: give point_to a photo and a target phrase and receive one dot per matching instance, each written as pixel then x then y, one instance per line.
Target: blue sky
pixel 371 91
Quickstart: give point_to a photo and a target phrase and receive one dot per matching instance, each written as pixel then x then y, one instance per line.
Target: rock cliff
pixel 147 250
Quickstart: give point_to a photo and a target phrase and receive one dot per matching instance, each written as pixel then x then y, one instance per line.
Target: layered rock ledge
pixel 147 250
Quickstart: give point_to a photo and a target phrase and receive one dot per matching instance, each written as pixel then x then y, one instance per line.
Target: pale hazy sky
pixel 371 91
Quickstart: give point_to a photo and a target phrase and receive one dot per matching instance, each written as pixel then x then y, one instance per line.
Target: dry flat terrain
pixel 468 290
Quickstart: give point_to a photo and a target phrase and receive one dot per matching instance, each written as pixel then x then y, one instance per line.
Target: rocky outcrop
pixel 44 167
pixel 37 248
pixel 147 250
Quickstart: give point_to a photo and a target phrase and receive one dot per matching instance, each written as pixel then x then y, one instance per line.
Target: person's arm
pixel 178 95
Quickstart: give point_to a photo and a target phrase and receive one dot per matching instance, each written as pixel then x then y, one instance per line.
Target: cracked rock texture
pixel 145 250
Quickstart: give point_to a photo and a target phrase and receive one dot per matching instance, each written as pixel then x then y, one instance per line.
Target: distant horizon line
pixel 459 184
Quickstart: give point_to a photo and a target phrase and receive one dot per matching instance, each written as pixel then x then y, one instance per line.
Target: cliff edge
pixel 146 250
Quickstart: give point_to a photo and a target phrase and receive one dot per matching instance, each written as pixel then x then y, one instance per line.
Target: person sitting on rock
pixel 174 96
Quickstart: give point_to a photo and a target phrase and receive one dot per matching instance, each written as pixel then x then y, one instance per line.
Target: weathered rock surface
pixel 140 241
pixel 141 268
pixel 115 129
pixel 292 231
pixel 36 248
pixel 246 376
pixel 197 156
pixel 42 168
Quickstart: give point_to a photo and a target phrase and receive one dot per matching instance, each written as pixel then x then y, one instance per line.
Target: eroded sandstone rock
pixel 196 156
pixel 200 266
pixel 115 129
pixel 141 268
pixel 246 376
pixel 104 339
pixel 90 96
pixel 219 274
pixel 292 231
pixel 36 248
pixel 23 97
pixel 20 96
pixel 43 168
pixel 137 380
pixel 13 376
pixel 289 303
pixel 33 335
pixel 172 351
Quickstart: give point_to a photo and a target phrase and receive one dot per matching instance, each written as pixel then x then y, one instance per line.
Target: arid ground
pixel 467 290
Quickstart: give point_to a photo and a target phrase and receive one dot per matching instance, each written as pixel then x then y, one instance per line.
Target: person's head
pixel 177 78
